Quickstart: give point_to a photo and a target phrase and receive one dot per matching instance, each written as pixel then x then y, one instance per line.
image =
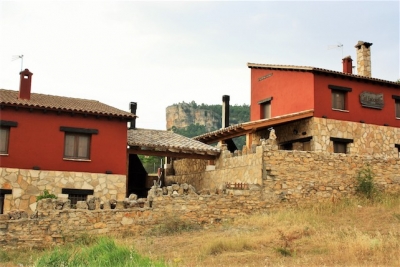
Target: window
pixel 265 108
pixel 77 142
pixel 2 198
pixel 338 100
pixel 396 105
pixel 77 146
pixel 340 144
pixel 339 97
pixel 5 135
pixel 398 149
pixel 76 195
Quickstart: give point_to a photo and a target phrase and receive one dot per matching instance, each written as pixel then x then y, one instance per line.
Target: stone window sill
pixel 82 160
pixel 340 110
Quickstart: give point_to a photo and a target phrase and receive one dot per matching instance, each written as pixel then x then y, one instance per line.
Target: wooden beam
pixel 170 154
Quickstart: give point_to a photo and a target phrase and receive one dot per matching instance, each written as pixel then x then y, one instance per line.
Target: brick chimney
pixel 25 84
pixel 225 111
pixel 347 65
pixel 363 58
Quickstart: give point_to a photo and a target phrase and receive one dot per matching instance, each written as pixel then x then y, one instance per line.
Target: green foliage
pixel 365 182
pixel 4 256
pixel 45 194
pixel 191 131
pixel 104 252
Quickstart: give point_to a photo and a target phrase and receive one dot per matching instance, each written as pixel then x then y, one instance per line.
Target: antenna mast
pixel 19 57
pixel 339 45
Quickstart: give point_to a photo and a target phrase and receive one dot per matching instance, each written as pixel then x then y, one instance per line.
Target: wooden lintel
pixel 170 154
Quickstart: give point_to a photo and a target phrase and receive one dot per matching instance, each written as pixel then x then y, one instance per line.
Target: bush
pixel 45 194
pixel 365 183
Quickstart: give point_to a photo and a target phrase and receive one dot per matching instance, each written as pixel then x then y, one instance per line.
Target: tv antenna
pixel 339 45
pixel 18 57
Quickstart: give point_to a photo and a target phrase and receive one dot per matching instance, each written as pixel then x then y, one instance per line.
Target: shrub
pixel 45 194
pixel 365 182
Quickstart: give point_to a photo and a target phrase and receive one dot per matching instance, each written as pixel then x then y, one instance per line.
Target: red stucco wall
pixel 295 91
pixel 292 91
pixel 356 112
pixel 38 141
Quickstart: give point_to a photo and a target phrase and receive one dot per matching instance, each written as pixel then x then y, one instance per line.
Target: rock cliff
pixel 183 114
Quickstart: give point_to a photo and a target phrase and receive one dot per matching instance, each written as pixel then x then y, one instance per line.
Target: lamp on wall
pixel 324 116
pixel 295 131
pixel 108 172
pixel 36 167
pixel 362 121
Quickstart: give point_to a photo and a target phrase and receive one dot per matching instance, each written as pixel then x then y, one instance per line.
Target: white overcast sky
pixel 161 53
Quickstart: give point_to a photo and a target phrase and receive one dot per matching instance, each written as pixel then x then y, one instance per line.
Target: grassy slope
pixel 348 233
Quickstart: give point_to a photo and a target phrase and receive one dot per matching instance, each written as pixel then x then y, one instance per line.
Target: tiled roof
pixel 251 126
pixel 159 140
pixel 61 103
pixel 313 69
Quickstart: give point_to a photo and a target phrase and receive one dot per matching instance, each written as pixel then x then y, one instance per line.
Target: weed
pixel 175 225
pixel 365 183
pixel 220 246
pixel 4 256
pixel 45 194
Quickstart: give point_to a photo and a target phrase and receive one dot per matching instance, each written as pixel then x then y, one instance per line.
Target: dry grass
pixel 348 233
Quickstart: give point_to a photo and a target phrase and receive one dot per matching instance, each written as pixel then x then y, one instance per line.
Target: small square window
pixel 77 146
pixel 339 147
pixel 4 137
pixel 339 99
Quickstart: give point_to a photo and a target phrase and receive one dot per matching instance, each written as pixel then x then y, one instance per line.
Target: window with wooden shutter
pixel 338 100
pixel 4 137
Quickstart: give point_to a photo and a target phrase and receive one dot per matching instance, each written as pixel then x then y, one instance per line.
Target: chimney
pixel 363 58
pixel 225 111
pixel 133 106
pixel 347 65
pixel 25 84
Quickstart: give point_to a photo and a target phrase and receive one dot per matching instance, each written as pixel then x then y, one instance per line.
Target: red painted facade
pixel 298 89
pixel 38 141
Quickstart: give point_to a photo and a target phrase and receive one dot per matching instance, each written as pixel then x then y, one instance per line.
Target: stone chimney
pixel 133 107
pixel 363 58
pixel 225 111
pixel 347 65
pixel 25 84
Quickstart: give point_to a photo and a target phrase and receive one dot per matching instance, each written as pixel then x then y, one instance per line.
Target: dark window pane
pixel 339 147
pixel 266 110
pixel 4 133
pixel 338 100
pixel 397 108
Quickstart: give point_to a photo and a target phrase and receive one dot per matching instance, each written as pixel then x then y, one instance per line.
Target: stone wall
pixel 243 166
pixel 50 227
pixel 304 176
pixel 27 184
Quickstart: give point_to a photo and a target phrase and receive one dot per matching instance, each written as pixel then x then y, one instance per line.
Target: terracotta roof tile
pixel 62 103
pixel 167 140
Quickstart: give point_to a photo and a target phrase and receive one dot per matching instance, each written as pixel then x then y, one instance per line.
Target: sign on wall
pixel 371 100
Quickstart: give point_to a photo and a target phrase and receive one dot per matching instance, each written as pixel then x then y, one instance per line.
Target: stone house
pixel 69 146
pixel 348 120
pixel 76 148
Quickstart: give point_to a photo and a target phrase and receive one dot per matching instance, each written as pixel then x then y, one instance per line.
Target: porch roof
pixel 251 126
pixel 168 144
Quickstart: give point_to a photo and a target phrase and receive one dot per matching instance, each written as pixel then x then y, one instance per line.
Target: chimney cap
pixel 348 58
pixel 360 43
pixel 25 71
